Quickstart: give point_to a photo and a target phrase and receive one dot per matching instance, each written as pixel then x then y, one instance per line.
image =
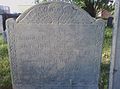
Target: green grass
pixel 105 66
pixel 5 80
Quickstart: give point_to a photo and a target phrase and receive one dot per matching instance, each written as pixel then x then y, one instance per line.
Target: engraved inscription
pixel 55 55
pixel 55 45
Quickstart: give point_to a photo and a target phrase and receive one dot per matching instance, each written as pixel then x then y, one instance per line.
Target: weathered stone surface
pixel 55 45
pixel 114 81
pixel 1 24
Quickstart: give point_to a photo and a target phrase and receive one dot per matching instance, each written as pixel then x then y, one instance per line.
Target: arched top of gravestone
pixel 55 13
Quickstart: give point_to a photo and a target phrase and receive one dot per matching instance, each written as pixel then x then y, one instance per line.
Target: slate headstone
pixel 110 22
pixel 1 24
pixel 55 45
pixel 4 36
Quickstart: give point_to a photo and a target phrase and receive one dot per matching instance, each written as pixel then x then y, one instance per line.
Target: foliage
pixel 37 1
pixel 93 7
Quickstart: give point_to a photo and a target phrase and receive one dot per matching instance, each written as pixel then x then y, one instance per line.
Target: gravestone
pixel 55 45
pixel 1 24
pixel 114 80
pixel 110 22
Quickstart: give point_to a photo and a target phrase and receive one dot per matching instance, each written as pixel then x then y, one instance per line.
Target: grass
pixel 106 58
pixel 5 80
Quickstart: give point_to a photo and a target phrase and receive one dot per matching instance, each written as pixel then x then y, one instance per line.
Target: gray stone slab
pixel 1 24
pixel 55 45
pixel 114 81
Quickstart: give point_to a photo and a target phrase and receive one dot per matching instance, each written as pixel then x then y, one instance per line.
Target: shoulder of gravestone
pixel 100 22
pixel 10 21
pixel 10 24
